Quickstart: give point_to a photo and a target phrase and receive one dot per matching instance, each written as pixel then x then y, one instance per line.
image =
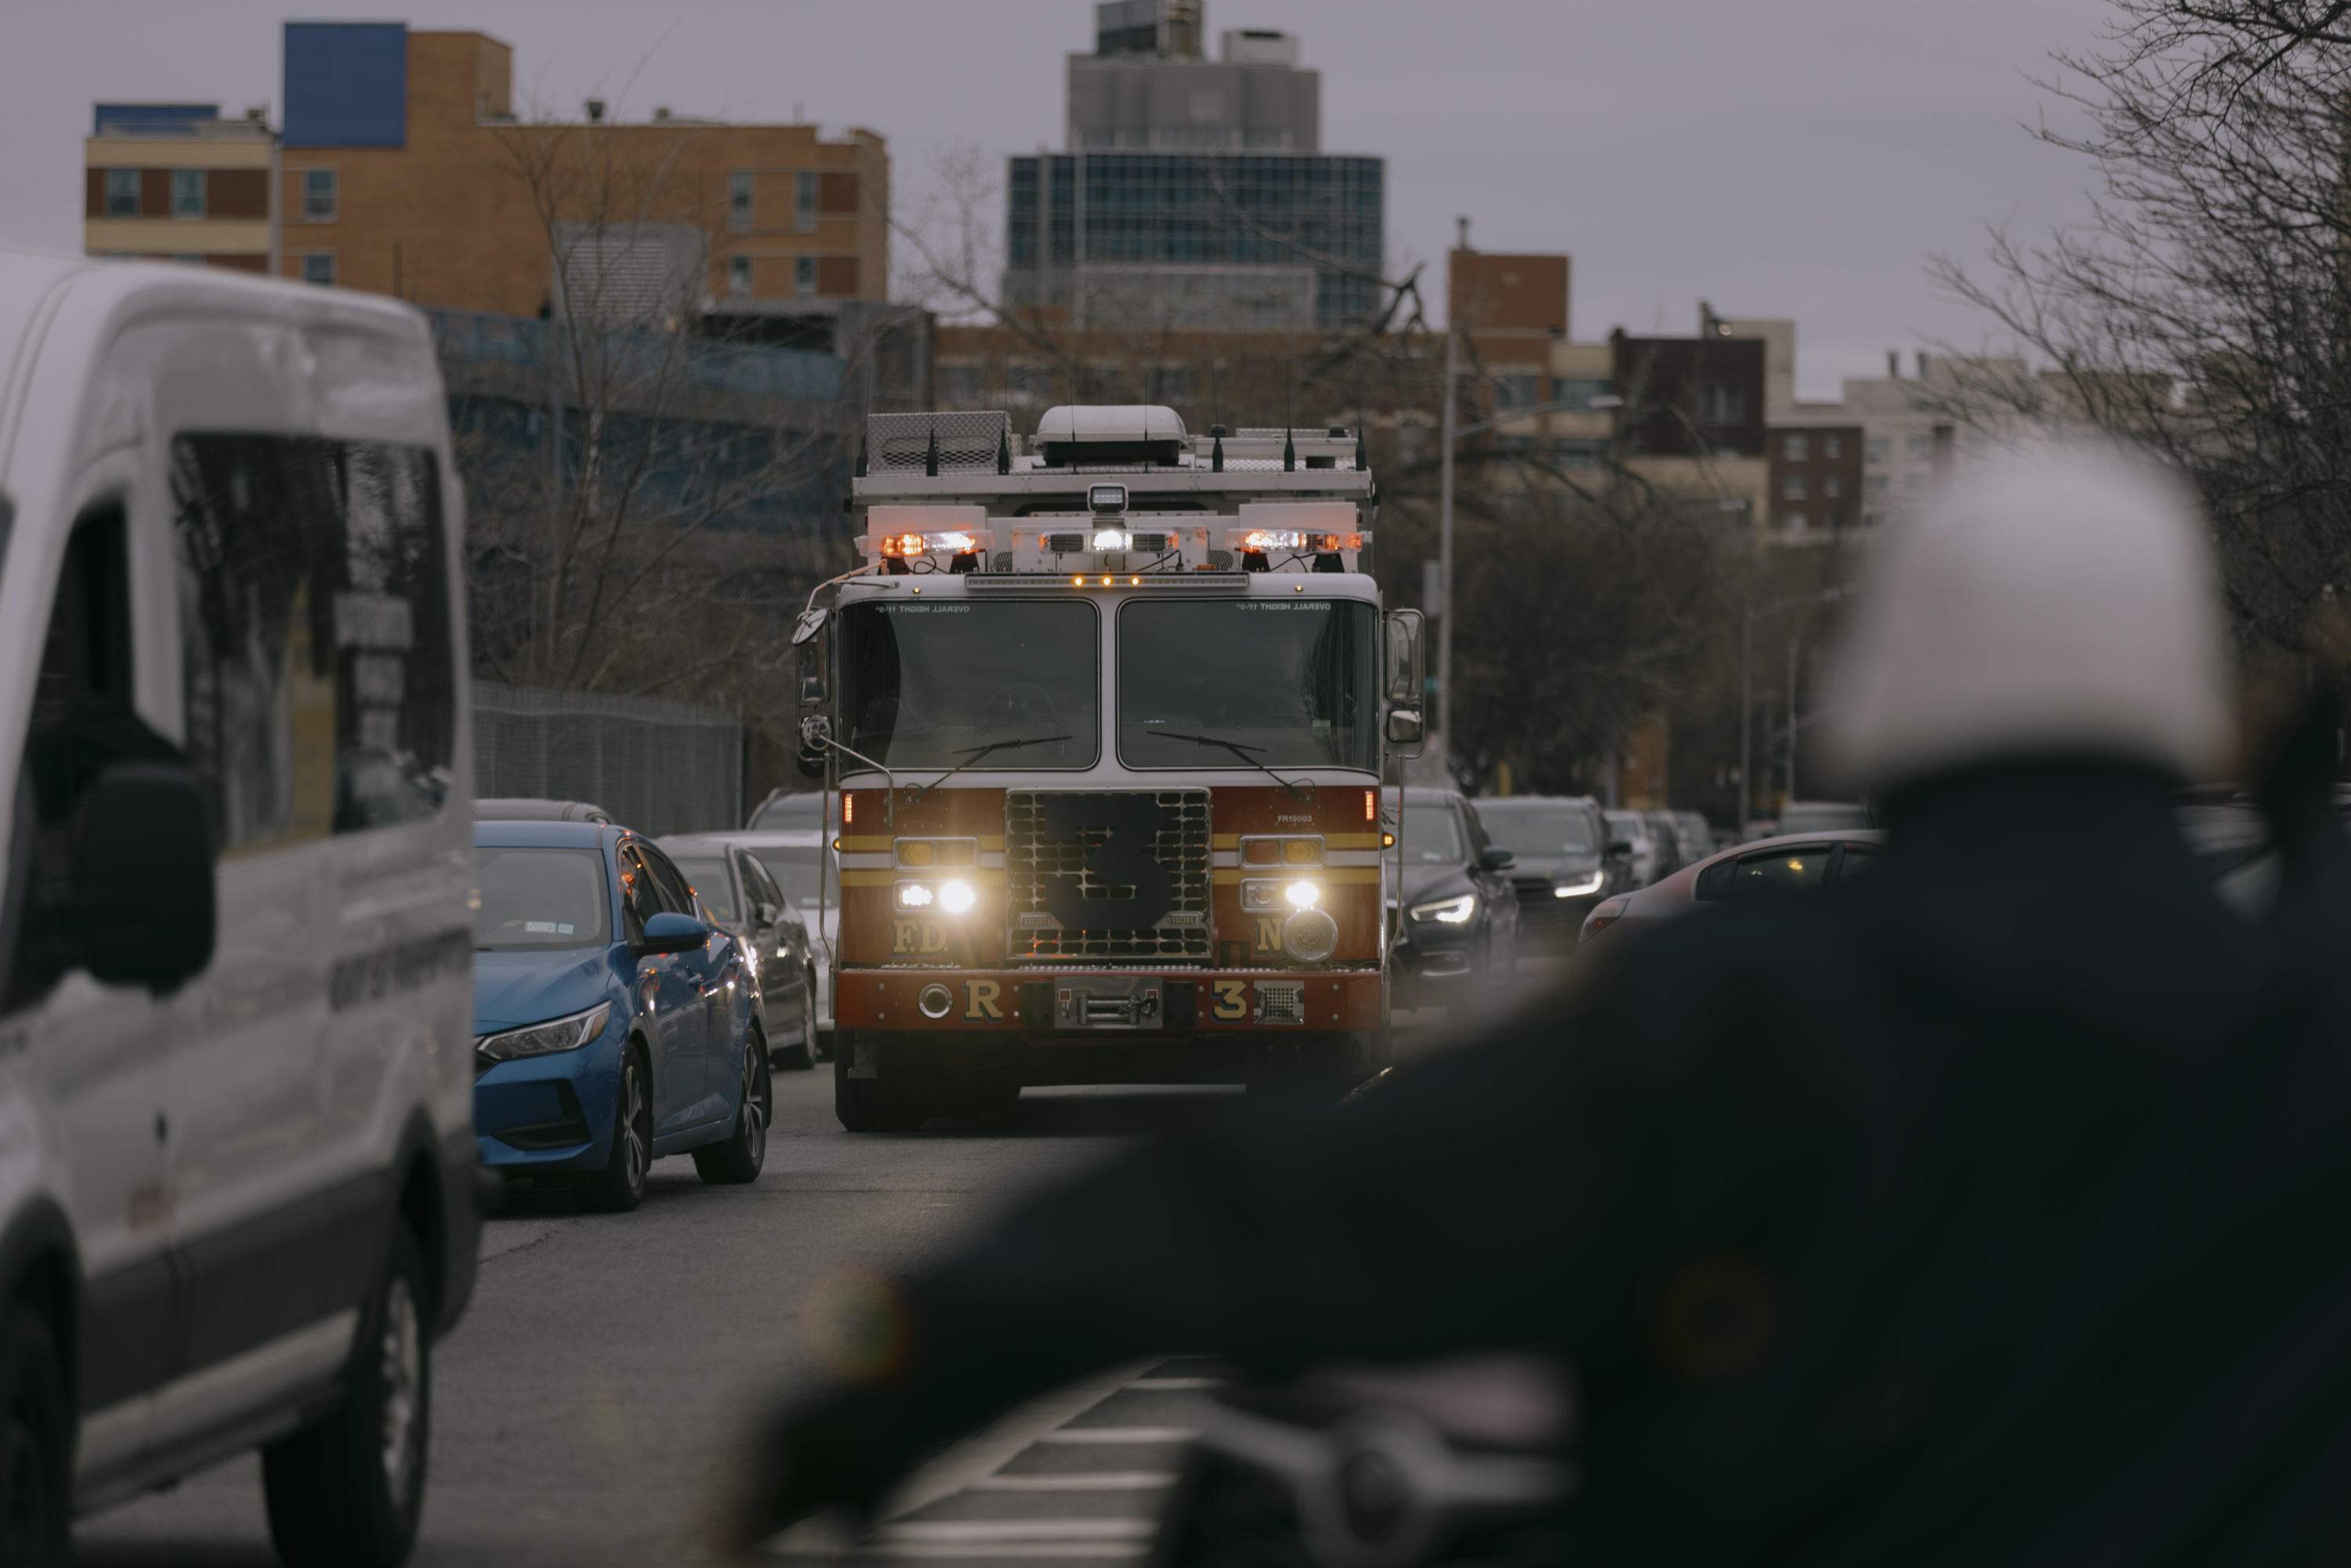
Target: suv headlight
pixel 1448 912
pixel 1590 884
pixel 546 1039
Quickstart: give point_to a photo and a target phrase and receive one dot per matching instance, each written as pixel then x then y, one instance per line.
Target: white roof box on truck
pixel 1071 437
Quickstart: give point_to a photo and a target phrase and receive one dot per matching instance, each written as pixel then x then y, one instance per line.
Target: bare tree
pixel 647 501
pixel 2214 261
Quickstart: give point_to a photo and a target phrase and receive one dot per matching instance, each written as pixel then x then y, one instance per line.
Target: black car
pixel 1562 869
pixel 1457 920
pixel 744 900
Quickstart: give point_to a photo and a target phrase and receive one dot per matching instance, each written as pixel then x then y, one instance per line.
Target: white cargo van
pixel 237 1164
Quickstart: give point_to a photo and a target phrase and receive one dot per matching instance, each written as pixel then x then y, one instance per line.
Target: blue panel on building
pixel 346 84
pixel 153 118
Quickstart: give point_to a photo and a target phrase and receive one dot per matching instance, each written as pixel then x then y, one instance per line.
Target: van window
pixel 314 594
pixel 82 719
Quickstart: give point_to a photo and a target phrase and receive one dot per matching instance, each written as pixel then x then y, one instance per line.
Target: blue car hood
pixel 511 989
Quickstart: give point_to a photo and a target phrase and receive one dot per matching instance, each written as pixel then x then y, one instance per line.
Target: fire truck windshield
pixel 926 685
pixel 1289 683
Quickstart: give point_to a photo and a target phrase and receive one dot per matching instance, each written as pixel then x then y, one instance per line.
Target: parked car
pixel 1457 918
pixel 526 809
pixel 1562 845
pixel 1770 868
pixel 613 1023
pixel 796 808
pixel 809 875
pixel 1824 817
pixel 1634 828
pixel 742 896
pixel 1673 850
pixel 1698 840
pixel 239 1202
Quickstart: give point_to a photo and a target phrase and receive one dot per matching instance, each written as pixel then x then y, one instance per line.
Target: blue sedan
pixel 613 1023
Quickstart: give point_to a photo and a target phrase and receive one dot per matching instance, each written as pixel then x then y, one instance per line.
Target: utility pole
pixel 1746 721
pixel 1445 553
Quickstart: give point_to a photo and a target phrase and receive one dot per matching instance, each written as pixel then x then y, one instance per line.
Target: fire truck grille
pixel 1035 864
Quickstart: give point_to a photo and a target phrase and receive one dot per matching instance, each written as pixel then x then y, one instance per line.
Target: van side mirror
pixel 670 932
pixel 143 904
pixel 1494 857
pixel 768 913
pixel 1405 727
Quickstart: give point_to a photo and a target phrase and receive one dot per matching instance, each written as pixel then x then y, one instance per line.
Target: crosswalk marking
pixel 1080 1481
pixel 1121 1435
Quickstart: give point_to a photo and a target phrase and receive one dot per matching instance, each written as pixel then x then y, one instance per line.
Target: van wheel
pixel 620 1186
pixel 868 1104
pixel 350 1490
pixel 35 1445
pixel 738 1159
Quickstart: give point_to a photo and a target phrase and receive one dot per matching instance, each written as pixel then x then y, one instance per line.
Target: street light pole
pixel 1445 554
pixel 1747 697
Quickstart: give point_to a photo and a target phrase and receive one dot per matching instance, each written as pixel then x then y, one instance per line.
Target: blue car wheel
pixel 620 1186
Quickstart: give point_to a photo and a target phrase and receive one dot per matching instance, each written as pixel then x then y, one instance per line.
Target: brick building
pixel 402 169
pixel 174 182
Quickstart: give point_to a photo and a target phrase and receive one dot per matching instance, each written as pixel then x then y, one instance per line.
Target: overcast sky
pixel 1793 157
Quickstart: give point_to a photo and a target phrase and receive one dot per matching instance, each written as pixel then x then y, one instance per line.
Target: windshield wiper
pixel 1238 750
pixel 974 755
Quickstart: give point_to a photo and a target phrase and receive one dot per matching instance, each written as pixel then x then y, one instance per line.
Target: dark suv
pixel 1562 845
pixel 1457 922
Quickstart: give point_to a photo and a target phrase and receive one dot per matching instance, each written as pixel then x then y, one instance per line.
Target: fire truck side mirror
pixel 809 648
pixel 1403 676
pixel 1404 726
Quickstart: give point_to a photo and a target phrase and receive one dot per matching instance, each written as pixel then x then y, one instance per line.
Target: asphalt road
pixel 584 1408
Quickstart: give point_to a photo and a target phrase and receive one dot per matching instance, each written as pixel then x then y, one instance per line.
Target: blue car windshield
pixel 529 900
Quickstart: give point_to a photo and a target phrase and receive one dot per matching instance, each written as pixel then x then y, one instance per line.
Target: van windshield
pixel 539 899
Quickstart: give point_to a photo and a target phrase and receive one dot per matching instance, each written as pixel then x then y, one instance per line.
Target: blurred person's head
pixel 2059 601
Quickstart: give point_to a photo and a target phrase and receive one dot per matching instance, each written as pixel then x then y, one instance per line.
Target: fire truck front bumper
pixel 1077 1002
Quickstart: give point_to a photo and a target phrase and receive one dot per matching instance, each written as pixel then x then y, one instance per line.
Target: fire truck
pixel 1102 721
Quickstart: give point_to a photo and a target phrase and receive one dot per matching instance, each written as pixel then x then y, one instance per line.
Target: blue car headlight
pixel 542 1039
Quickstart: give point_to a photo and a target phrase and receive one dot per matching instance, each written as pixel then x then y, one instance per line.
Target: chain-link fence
pixel 657 767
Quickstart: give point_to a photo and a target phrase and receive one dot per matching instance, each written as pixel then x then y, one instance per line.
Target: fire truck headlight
pixel 955 897
pixel 1111 538
pixel 914 895
pixel 1304 894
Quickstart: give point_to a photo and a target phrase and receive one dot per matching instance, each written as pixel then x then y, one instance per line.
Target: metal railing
pixel 655 766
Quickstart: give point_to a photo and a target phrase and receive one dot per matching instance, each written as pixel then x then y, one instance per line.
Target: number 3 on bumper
pixel 1231 1000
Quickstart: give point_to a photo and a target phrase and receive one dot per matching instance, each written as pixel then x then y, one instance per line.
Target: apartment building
pixel 175 182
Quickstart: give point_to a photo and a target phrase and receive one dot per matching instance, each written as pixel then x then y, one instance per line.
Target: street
pixel 589 1398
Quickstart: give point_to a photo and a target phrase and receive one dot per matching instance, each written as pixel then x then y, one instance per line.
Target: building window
pixel 1793 488
pixel 804 274
pixel 319 195
pixel 804 191
pixel 1723 404
pixel 1922 446
pixel 187 259
pixel 1877 448
pixel 738 200
pixel 1579 389
pixel 1874 488
pixel 960 385
pixel 739 275
pixel 1794 522
pixel 1516 392
pixel 319 267
pixel 122 193
pixel 1029 383
pixel 1832 486
pixel 1578 452
pixel 1795 449
pixel 1174 385
pixel 187 192
pixel 1831 447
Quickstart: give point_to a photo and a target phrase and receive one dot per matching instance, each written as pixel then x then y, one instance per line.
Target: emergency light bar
pixel 1262 541
pixel 904 533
